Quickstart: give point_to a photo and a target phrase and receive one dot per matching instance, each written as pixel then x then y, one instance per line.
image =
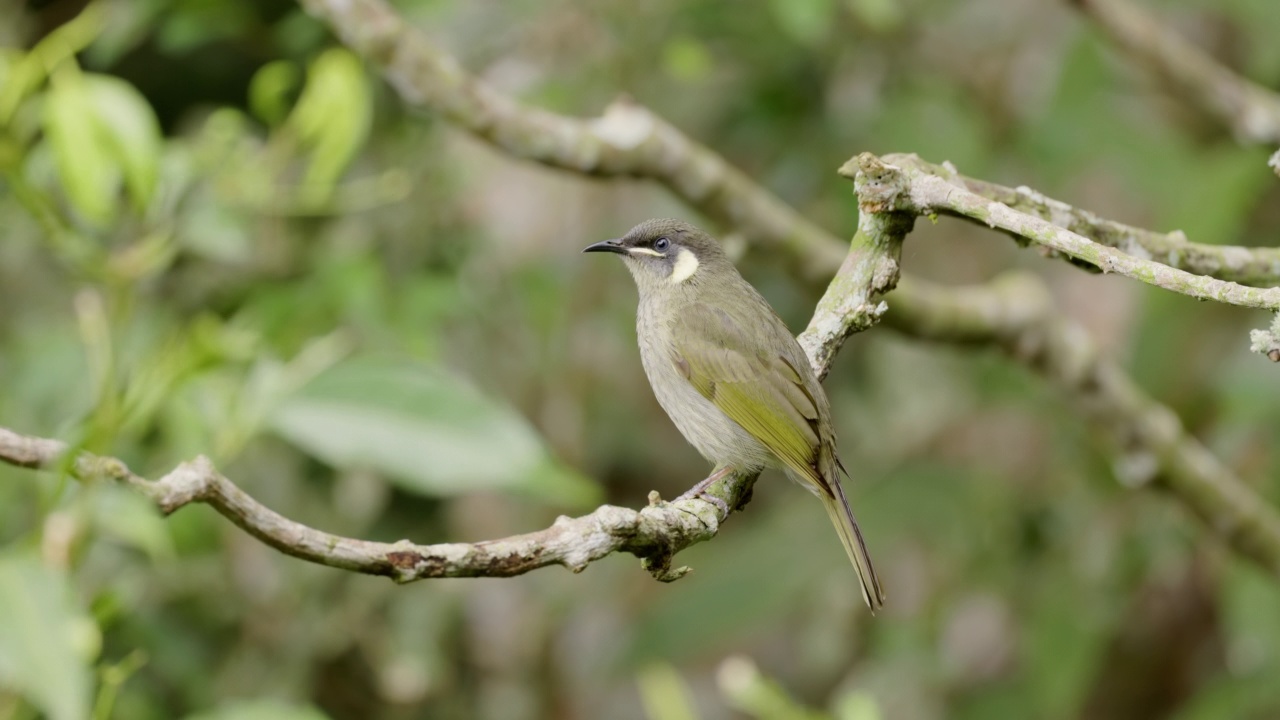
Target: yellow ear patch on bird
pixel 686 266
pixel 643 251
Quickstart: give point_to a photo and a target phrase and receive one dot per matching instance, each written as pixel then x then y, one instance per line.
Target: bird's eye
pixel 661 244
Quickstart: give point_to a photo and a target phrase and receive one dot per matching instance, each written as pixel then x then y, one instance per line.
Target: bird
pixel 729 373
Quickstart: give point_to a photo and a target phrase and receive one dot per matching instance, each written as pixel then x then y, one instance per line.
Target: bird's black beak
pixel 610 246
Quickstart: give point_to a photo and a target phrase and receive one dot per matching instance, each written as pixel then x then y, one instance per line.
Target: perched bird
pixel 730 375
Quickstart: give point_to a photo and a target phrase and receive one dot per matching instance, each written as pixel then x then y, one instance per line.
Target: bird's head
pixel 666 254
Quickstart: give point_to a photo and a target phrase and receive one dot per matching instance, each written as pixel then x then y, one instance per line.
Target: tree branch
pixel 653 534
pixel 1250 110
pixel 852 301
pixel 906 184
pixel 1267 342
pixel 1258 266
pixel 910 186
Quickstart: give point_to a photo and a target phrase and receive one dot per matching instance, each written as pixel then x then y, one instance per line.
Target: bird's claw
pixel 700 491
pixel 722 505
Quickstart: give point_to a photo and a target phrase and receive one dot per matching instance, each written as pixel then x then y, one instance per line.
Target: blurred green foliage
pixel 224 235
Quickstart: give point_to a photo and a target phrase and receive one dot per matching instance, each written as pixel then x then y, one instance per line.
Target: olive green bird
pixel 730 375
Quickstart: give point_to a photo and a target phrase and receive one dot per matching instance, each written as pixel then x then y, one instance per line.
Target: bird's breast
pixel 717 437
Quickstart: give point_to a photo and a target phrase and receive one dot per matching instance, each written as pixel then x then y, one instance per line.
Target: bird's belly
pixel 718 438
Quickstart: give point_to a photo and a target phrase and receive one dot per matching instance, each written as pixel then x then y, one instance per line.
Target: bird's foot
pixel 700 490
pixel 721 505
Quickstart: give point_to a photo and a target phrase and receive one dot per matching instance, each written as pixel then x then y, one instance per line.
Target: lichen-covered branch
pixel 914 189
pixel 1250 110
pixel 906 184
pixel 1267 342
pixel 654 533
pixel 1258 266
pixel 852 301
pixel 1148 443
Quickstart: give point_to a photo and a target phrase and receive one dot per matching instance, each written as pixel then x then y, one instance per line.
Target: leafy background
pixel 223 234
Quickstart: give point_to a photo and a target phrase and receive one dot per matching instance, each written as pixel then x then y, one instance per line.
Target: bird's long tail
pixel 851 537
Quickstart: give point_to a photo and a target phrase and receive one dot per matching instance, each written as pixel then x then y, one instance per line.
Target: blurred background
pixel 222 233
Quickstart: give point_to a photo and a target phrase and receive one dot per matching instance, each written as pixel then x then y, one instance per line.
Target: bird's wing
pixel 754 371
pixel 739 368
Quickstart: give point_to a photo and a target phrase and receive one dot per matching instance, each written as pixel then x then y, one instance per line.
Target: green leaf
pixel 270 88
pixel 333 115
pixel 131 132
pixel 44 638
pixel 261 710
pixel 428 430
pixel 84 162
pixel 19 75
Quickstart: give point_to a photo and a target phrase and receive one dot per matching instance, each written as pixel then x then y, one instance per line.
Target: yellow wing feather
pixel 741 371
